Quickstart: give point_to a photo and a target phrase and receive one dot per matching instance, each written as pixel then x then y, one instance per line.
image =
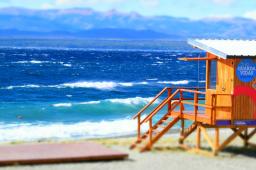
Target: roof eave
pixel 201 46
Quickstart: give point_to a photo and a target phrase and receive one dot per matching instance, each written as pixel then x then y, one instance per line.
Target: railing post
pixel 181 104
pixel 150 133
pixel 195 104
pixel 170 102
pixel 181 115
pixel 139 127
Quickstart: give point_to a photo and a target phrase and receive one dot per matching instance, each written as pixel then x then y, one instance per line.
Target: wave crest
pixel 100 85
pixel 126 101
pixel 179 82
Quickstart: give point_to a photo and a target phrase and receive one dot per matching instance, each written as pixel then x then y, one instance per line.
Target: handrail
pixel 197 104
pixel 150 103
pixel 160 93
pixel 159 107
pixel 223 94
pixel 192 91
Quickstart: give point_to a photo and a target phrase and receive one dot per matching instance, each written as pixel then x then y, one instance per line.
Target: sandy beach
pixel 166 154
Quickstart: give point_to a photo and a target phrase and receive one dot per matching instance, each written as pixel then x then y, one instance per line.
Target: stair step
pixel 161 126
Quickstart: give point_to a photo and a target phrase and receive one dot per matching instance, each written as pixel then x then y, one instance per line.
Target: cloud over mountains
pixel 88 23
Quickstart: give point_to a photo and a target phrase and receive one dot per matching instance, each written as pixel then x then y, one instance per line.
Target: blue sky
pixel 194 9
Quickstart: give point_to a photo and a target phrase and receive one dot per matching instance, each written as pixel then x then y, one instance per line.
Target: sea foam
pixel 51 131
pixel 124 101
pixel 100 85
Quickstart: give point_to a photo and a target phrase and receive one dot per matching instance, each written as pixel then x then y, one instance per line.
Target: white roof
pixel 227 48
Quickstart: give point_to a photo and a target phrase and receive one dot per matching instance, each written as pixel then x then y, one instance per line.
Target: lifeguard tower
pixel 228 100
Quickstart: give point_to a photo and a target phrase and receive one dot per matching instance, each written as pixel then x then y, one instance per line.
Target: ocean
pixel 73 89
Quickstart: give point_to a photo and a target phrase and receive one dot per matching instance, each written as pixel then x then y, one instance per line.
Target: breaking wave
pixel 87 129
pixel 180 82
pixel 42 62
pixel 125 101
pixel 101 85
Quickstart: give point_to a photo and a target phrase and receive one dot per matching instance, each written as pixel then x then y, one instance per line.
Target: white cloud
pixel 85 2
pixel 222 2
pixel 150 3
pixel 250 14
pixel 47 6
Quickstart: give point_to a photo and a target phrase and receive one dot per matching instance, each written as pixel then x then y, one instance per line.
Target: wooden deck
pixel 56 153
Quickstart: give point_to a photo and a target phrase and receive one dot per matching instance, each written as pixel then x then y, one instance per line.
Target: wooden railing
pixel 168 100
pixel 172 100
pixel 213 105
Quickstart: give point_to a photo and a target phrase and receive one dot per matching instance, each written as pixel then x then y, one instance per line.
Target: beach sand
pixel 166 154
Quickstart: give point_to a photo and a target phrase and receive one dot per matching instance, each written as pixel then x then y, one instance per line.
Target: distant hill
pixel 104 33
pixel 87 23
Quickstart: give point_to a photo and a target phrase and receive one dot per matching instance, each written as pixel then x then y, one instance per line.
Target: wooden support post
pixel 198 138
pixel 216 142
pixel 242 136
pixel 246 137
pixel 150 133
pixel 138 128
pixel 207 137
pixel 252 134
pixel 230 138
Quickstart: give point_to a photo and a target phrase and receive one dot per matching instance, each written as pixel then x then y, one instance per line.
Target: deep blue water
pixel 68 93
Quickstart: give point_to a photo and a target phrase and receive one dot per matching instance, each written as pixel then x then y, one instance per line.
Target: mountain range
pixel 88 23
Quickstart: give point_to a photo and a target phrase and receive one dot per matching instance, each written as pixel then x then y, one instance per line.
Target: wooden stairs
pixel 145 141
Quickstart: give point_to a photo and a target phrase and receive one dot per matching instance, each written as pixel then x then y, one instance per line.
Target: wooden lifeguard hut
pixel 228 101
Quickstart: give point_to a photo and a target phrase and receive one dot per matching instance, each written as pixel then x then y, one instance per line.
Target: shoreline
pixel 166 150
pixel 60 140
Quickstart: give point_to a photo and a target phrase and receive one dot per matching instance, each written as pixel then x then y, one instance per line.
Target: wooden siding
pixel 224 85
pixel 244 107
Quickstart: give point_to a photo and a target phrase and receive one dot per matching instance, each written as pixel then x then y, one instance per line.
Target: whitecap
pixel 153 79
pixel 62 105
pixel 159 62
pixel 142 83
pixel 126 101
pixel 105 85
pixel 131 101
pixel 31 62
pixel 90 102
pixel 36 62
pixel 100 85
pixel 22 86
pixel 128 84
pixel 67 65
pixel 179 82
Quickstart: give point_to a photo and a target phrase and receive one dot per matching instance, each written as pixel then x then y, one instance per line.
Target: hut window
pixel 212 74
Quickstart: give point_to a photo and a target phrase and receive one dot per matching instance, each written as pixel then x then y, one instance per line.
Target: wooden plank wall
pixel 224 85
pixel 244 107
